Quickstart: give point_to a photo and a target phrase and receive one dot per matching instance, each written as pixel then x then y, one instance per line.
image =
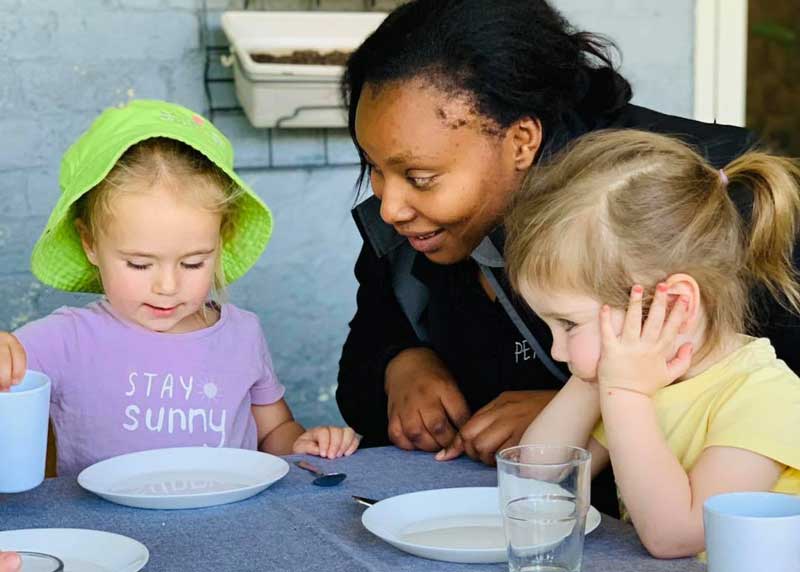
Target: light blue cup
pixel 752 531
pixel 24 413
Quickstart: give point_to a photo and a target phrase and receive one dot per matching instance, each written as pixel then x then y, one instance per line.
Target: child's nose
pixel 558 352
pixel 166 282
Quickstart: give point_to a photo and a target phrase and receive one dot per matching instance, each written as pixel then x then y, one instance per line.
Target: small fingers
pixel 632 326
pixel 353 446
pixel 323 440
pixel 655 317
pixel 675 320
pixel 6 366
pixel 305 444
pixel 348 436
pixel 606 329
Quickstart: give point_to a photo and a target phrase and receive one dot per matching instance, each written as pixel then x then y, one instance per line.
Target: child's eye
pixel 137 266
pixel 567 325
pixel 194 266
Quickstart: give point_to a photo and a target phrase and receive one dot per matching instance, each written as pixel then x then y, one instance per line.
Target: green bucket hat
pixel 58 259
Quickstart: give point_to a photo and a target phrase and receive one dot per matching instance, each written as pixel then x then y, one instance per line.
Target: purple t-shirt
pixel 120 388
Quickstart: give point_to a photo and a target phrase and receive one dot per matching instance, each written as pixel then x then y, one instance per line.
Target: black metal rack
pixel 214 75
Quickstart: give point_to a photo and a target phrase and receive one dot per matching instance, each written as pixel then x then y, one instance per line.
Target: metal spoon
pixel 323 479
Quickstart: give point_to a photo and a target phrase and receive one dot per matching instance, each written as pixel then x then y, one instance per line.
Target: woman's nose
pixel 395 208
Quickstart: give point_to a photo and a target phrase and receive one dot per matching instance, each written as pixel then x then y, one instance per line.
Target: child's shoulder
pixel 241 319
pixel 767 374
pixel 70 316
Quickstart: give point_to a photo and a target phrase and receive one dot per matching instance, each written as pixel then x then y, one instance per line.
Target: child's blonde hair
pixel 627 207
pixel 183 169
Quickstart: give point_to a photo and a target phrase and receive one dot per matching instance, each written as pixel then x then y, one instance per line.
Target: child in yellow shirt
pixel 631 250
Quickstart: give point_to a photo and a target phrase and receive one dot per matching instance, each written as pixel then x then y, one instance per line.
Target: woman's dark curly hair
pixel 513 58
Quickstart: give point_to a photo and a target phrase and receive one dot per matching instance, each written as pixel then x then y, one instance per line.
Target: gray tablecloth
pixel 296 526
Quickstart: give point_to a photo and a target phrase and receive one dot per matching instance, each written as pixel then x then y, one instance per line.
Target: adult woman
pixel 450 104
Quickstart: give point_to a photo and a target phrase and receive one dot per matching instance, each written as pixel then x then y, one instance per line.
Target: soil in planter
pixel 307 57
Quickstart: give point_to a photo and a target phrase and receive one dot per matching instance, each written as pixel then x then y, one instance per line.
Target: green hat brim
pixel 58 258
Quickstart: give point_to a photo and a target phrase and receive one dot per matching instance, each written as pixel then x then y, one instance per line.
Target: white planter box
pixel 293 95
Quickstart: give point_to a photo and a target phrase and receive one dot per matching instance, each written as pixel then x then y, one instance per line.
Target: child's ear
pixel 87 242
pixel 685 286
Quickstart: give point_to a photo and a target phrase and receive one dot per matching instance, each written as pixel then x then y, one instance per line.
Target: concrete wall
pixel 62 62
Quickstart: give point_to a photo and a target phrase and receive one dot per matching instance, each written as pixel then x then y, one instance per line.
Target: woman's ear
pixel 87 241
pixel 526 140
pixel 684 285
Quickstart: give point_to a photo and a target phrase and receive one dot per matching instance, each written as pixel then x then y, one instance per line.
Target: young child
pixel 153 216
pixel 631 250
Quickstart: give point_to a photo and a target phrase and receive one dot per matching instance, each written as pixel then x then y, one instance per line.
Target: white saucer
pixel 81 550
pixel 183 477
pixel 454 525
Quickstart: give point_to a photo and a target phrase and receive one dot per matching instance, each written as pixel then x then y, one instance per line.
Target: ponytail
pixel 774 223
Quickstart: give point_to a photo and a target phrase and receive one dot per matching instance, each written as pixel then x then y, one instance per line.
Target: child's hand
pixel 13 361
pixel 10 562
pixel 643 358
pixel 328 442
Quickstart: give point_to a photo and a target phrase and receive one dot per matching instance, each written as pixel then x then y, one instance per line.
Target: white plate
pixel 81 550
pixel 454 525
pixel 183 477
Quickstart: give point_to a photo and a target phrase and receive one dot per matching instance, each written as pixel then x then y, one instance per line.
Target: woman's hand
pixel 643 358
pixel 497 425
pixel 426 407
pixel 13 361
pixel 329 442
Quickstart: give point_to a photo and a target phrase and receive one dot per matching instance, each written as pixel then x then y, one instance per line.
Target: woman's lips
pixel 428 242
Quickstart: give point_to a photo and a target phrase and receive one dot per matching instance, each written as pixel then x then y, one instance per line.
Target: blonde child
pixel 153 216
pixel 631 250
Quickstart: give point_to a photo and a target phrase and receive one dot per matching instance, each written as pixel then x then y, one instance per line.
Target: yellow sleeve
pixel 762 415
pixel 599 434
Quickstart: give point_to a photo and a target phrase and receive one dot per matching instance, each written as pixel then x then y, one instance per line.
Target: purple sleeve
pixel 46 344
pixel 267 389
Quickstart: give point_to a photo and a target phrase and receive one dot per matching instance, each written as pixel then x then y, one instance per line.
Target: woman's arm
pixel 379 331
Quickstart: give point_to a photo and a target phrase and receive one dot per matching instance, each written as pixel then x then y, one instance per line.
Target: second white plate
pixel 183 477
pixel 454 525
pixel 79 549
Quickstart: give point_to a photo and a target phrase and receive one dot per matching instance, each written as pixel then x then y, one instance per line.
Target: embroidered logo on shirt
pixel 523 351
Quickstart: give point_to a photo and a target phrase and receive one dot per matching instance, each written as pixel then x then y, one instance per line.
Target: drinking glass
pixel 544 499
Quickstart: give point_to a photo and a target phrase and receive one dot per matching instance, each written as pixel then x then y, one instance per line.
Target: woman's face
pixel 443 173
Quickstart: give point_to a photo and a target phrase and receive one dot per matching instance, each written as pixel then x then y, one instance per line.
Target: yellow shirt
pixel 750 400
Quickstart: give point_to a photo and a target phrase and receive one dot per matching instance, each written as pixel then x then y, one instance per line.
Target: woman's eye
pixel 194 266
pixel 137 266
pixel 421 182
